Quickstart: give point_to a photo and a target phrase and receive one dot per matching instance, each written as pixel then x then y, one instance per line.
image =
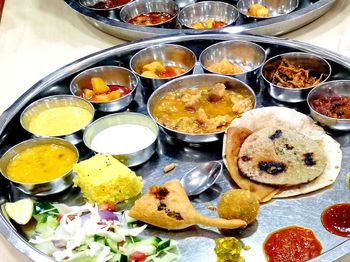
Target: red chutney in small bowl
pixel 292 243
pixel 109 4
pixel 151 18
pixel 332 106
pixel 336 219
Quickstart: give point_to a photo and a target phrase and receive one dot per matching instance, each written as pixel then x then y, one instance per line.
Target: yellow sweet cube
pixel 102 178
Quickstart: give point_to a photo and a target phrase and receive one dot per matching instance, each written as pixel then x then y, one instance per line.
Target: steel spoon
pixel 200 178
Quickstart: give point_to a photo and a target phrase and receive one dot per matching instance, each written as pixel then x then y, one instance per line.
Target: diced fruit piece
pixel 88 94
pixel 155 66
pixel 138 256
pixel 115 95
pixel 149 74
pixel 99 85
pixel 101 98
pixel 20 211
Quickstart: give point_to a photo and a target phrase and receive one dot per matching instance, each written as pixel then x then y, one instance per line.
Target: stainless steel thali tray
pixel 195 243
pixel 308 11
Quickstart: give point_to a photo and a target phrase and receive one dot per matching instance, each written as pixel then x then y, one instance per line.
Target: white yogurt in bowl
pixel 123 139
pixel 129 137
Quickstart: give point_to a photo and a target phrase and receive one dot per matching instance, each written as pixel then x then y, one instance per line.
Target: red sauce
pixel 332 106
pixel 124 90
pixel 151 18
pixel 109 4
pixel 292 243
pixel 336 219
pixel 171 71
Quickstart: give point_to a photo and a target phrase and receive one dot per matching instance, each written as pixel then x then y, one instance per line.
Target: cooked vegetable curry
pixel 203 109
pixel 41 163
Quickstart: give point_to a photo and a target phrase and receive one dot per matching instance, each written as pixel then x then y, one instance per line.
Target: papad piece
pixel 260 118
pixel 233 139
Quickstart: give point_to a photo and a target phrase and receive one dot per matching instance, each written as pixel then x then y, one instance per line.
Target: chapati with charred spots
pixel 281 156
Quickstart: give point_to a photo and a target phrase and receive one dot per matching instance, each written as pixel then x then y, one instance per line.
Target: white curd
pixel 122 139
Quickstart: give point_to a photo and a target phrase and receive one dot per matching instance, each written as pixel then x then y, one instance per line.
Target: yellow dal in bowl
pixel 59 121
pixel 41 163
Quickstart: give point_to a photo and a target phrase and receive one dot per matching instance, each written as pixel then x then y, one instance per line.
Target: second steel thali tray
pixel 307 11
pixel 196 243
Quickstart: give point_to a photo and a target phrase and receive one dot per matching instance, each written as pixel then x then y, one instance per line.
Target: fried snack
pixel 291 76
pixel 225 67
pixel 235 137
pixel 168 207
pixel 238 204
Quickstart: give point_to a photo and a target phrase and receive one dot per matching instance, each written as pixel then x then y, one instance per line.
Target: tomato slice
pixel 138 256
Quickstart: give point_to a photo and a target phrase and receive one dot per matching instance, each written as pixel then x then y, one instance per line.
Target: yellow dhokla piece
pixel 102 178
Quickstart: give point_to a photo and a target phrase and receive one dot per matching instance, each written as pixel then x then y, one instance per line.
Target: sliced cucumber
pixel 112 244
pixel 163 245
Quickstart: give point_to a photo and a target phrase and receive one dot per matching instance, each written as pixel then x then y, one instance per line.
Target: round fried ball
pixel 238 204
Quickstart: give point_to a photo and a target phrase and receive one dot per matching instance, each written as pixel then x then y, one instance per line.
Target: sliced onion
pixel 104 214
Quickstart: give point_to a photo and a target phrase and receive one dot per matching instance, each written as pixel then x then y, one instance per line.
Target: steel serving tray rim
pixel 17 240
pixel 271 26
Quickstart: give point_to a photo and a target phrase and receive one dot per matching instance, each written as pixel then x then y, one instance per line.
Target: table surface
pixel 40 36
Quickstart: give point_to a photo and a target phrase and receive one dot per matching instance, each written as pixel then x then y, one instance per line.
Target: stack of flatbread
pixel 277 152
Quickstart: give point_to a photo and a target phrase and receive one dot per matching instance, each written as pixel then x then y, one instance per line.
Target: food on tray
pixel 280 118
pixel 332 106
pixel 208 23
pixel 20 211
pixel 151 18
pixel 238 204
pixel 225 67
pixel 336 219
pixel 106 4
pixel 85 233
pixel 41 163
pixel 347 180
pixel 130 138
pixel 102 178
pixel 169 207
pixel 58 121
pixel 281 156
pixel 99 91
pixel 200 110
pixel 157 69
pixel 293 76
pixel 228 249
pixel 258 10
pixel 169 167
pixel 292 243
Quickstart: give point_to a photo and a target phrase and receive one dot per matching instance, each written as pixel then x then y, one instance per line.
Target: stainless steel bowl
pixel 130 159
pixel 39 189
pixel 90 3
pixel 111 75
pixel 139 7
pixel 330 89
pixel 183 3
pixel 170 55
pixel 192 81
pixel 249 56
pixel 208 9
pixel 52 102
pixel 276 7
pixel 305 60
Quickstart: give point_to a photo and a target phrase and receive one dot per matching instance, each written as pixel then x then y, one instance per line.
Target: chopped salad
pixel 85 233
